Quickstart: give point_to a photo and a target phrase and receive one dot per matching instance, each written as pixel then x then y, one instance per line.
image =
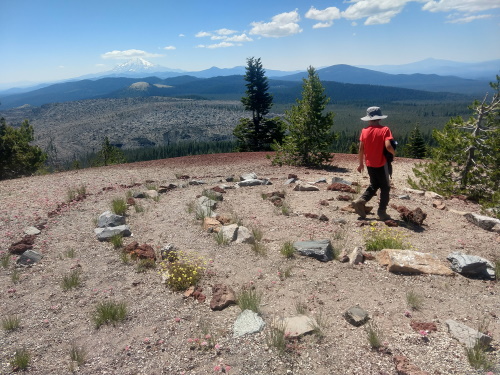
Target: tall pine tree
pixel 416 148
pixel 310 133
pixel 257 133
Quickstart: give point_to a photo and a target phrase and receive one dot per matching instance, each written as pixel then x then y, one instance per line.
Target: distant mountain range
pixel 140 78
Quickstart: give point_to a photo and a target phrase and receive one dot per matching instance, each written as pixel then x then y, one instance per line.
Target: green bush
pixel 109 312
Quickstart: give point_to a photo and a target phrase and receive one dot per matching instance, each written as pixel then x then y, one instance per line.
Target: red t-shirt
pixel 373 138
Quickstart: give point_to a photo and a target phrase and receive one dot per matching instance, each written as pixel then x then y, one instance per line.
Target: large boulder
pixel 413 262
pixel 471 265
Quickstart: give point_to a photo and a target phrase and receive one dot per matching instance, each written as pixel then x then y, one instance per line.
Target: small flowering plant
pixel 183 272
pixel 205 342
pixel 377 239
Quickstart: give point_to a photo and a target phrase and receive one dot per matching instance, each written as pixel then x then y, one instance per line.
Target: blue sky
pixel 46 40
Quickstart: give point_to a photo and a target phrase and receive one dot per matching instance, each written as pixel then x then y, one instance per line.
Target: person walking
pixel 374 139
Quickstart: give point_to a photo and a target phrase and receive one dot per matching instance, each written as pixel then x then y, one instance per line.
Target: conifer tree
pixel 416 148
pixel 310 133
pixel 467 158
pixel 17 156
pixel 257 133
pixel 108 155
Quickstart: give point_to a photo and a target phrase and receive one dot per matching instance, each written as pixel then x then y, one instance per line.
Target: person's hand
pixel 360 168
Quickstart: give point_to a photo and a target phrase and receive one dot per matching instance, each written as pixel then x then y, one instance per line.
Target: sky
pixel 49 40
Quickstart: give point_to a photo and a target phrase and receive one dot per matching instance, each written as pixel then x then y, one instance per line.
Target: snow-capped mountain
pixel 137 65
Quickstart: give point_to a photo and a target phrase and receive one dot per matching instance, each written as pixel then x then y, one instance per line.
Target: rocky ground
pixel 160 331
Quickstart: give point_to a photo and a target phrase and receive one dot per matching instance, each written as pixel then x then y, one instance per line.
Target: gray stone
pixel 356 316
pixel 253 182
pixel 414 191
pixel 229 232
pixel 205 207
pixel 320 181
pixel 248 322
pixel 244 235
pixel 105 234
pixel 197 182
pixel 319 249
pixel 32 231
pixel 139 195
pixel 152 194
pixel 466 335
pixel 431 194
pixel 305 187
pixel 296 326
pixel 356 256
pixel 29 257
pixel 485 222
pixel 471 265
pixel 248 176
pixel 405 196
pixel 289 181
pixel 212 194
pixel 338 180
pixel 109 219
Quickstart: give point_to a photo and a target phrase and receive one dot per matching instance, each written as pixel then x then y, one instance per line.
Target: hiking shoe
pixel 359 207
pixel 382 215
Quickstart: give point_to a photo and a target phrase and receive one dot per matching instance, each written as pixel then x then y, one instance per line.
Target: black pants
pixel 379 179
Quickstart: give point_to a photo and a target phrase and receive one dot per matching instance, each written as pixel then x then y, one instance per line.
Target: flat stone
pixel 296 326
pixel 431 194
pixel 414 191
pixel 211 224
pixel 222 297
pixel 32 231
pixel 104 234
pixel 485 222
pixel 356 316
pixel 320 249
pixel 413 262
pixel 248 322
pixel 466 335
pixel 109 219
pixel 339 180
pixel 305 187
pixel 253 182
pixel 248 176
pixel 29 257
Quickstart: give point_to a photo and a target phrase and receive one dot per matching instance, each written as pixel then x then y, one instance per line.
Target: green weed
pixel 21 359
pixel 119 206
pixel 386 238
pixel 72 280
pixel 11 323
pixel 374 335
pixel 249 299
pixel 287 250
pixel 109 312
pixel 414 300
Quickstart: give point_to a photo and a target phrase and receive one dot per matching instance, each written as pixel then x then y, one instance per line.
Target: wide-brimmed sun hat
pixel 373 113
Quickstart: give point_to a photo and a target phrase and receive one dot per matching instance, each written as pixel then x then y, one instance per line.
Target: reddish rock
pixel 438 204
pixel 222 297
pixel 291 175
pixel 21 246
pixel 368 256
pixel 341 187
pixel 391 223
pixel 323 217
pixel 344 198
pixel 130 201
pixel 416 216
pixel 218 189
pixel 404 367
pixel 311 216
pixel 143 251
pixel 223 220
pixel 183 177
pixel 198 295
pixel 324 203
pixel 423 326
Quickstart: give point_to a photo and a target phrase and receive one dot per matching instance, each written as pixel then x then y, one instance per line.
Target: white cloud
pixel 326 16
pixel 202 34
pixel 100 65
pixel 128 54
pixel 376 12
pixel 462 6
pixel 225 32
pixel 218 45
pixel 239 38
pixel 61 67
pixel 320 25
pixel 181 35
pixel 468 18
pixel 169 48
pixel 284 24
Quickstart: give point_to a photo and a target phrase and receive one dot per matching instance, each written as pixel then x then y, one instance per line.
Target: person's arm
pixel 361 155
pixel 389 147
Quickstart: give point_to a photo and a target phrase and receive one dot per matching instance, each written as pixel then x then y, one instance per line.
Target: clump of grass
pixel 276 337
pixel 145 264
pixel 259 248
pixel 287 250
pixel 15 276
pixel 285 209
pixel 497 269
pixel 138 207
pixel 221 239
pixel 11 323
pixel 4 259
pixel 109 312
pixel 249 299
pixel 414 300
pixel 301 308
pixel 119 206
pixel 72 280
pixel 21 359
pixel 70 253
pixel 77 354
pixel 478 356
pixel 377 239
pixel 124 257
pixel 116 241
pixel 73 193
pixel 318 324
pixel 286 273
pixel 374 335
pixel 183 272
pixel 211 194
